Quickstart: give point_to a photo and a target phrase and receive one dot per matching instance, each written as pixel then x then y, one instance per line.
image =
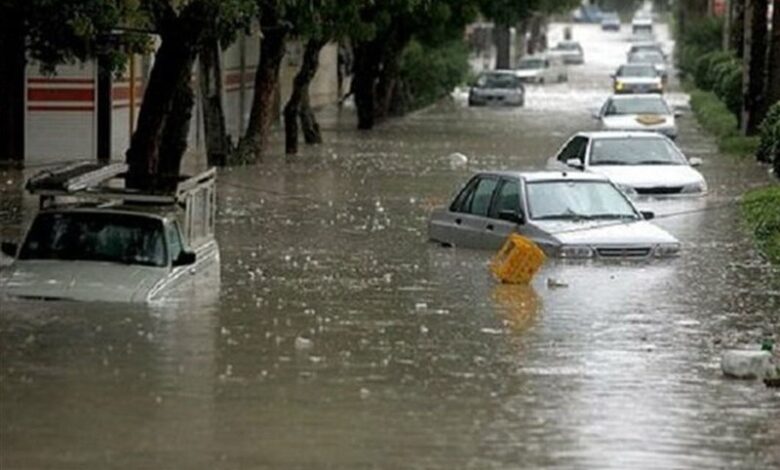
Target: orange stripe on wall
pixel 64 94
pixel 123 92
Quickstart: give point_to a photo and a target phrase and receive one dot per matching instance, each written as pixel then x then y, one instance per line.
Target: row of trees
pixel 745 36
pixel 52 32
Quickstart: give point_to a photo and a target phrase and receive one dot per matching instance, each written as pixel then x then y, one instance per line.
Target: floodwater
pixel 340 338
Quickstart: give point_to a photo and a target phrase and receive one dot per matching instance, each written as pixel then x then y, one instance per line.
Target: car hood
pixel 80 280
pixel 649 176
pixel 640 80
pixel 606 233
pixel 637 122
pixel 525 73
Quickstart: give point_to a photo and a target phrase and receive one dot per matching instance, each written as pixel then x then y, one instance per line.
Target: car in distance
pixel 637 78
pixel 610 21
pixel 113 245
pixel 570 51
pixel 500 87
pixel 642 24
pixel 639 163
pixel 647 112
pixel 542 69
pixel 646 46
pixel 586 14
pixel 568 214
pixel 654 58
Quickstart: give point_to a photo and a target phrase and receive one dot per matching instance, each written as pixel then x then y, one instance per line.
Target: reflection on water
pixel 341 339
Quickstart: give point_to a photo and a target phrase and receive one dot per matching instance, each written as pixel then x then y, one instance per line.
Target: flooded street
pixel 340 338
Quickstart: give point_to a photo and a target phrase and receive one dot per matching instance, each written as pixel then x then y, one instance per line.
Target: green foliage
pixel 704 66
pixel 769 131
pixel 738 145
pixel 701 37
pixel 431 72
pixel 761 215
pixel 713 114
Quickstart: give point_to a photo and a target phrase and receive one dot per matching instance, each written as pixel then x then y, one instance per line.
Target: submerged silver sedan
pixel 568 214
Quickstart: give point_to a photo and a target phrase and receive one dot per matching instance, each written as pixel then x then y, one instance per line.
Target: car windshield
pixel 646 57
pixel 568 46
pixel 91 236
pixel 643 71
pixel 531 64
pixel 609 17
pixel 577 200
pixel 498 80
pixel 649 150
pixel 646 48
pixel 648 105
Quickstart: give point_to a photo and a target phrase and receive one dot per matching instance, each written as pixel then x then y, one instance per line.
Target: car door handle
pixel 490 227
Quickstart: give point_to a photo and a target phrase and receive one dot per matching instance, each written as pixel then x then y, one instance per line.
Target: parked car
pixel 654 58
pixel 500 87
pixel 610 21
pixel 542 69
pixel 646 46
pixel 648 112
pixel 568 214
pixel 641 163
pixel 571 52
pixel 112 245
pixel 637 78
pixel 587 14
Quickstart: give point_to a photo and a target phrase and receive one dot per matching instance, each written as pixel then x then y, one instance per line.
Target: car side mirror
pixel 9 249
pixel 511 216
pixel 696 161
pixel 575 163
pixel 648 215
pixel 185 258
pixel 595 114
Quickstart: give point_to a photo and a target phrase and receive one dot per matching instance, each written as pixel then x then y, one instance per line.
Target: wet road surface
pixel 340 338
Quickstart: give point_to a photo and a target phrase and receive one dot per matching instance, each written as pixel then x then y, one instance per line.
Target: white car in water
pixel 542 69
pixel 120 246
pixel 568 214
pixel 637 78
pixel 648 112
pixel 498 88
pixel 642 163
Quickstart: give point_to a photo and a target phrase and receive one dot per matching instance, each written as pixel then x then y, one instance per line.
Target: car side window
pixel 574 149
pixel 507 199
pixel 174 241
pixel 482 196
pixel 463 200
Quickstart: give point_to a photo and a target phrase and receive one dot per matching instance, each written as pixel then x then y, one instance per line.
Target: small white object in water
pixel 458 160
pixel 421 306
pixel 424 329
pixel 747 364
pixel 555 283
pixel 364 393
pixel 302 343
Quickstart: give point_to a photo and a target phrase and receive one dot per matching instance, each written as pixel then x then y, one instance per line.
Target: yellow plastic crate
pixel 518 260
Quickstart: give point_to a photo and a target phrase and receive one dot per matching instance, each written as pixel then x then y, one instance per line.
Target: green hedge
pixel 713 114
pixel 760 211
pixel 769 146
pixel 430 73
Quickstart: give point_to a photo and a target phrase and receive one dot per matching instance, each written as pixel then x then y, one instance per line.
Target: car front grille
pixel 660 190
pixel 623 252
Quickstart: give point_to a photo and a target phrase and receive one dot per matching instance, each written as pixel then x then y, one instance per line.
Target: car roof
pixel 621 135
pixel 156 212
pixel 533 176
pixel 635 96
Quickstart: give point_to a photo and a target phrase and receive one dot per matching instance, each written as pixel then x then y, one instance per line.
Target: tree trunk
pixel 386 85
pixel 262 114
pixel 503 47
pixel 172 66
pixel 311 129
pixel 366 65
pixel 754 102
pixel 293 109
pixel 773 80
pixel 176 130
pixel 218 144
pixel 737 29
pixel 12 77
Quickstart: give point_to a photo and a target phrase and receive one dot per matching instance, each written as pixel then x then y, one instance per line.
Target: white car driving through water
pixel 637 78
pixel 568 214
pixel 542 69
pixel 93 241
pixel 641 163
pixel 500 87
pixel 649 112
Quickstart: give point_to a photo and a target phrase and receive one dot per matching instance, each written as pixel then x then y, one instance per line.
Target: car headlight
pixel 619 85
pixel 575 251
pixel 700 187
pixel 667 250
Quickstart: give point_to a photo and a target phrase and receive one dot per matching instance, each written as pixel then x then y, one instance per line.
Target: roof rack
pixel 98 181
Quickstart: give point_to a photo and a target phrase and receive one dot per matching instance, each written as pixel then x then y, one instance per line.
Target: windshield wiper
pixel 609 162
pixel 613 216
pixel 656 162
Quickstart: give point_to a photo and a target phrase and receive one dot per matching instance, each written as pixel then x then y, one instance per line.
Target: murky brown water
pixel 415 357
